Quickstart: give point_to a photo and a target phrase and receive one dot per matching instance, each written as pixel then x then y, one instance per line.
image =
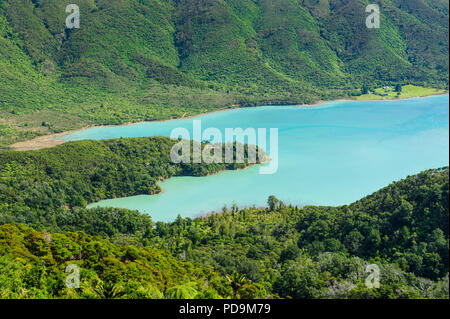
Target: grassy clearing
pixel 408 91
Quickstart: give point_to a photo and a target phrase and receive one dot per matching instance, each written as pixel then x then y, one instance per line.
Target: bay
pixel 331 154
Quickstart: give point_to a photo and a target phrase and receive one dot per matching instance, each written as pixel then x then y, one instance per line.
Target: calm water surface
pixel 332 154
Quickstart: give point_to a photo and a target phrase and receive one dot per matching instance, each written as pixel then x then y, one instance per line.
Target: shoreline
pixel 266 160
pixel 52 140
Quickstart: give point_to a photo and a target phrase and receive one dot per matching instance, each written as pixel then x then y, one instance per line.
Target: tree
pixel 237 282
pixel 289 253
pixel 184 291
pixel 109 290
pixel 365 89
pixel 398 88
pixel 234 208
pixel 272 201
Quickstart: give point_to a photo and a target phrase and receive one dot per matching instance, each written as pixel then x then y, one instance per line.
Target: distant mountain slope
pixel 151 59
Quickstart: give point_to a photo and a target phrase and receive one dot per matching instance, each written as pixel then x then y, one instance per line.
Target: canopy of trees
pixel 278 251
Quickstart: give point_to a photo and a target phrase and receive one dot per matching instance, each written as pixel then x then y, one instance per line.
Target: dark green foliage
pixel 412 214
pixel 51 187
pixel 365 89
pixel 310 252
pixel 272 202
pixel 322 252
pixel 77 173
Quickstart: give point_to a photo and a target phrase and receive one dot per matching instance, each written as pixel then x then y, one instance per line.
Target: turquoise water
pixel 332 154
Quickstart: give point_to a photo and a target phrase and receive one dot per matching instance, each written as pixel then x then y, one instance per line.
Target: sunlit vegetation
pixel 33 265
pixel 45 182
pixel 399 92
pixel 322 252
pixel 145 60
pixel 151 59
pixel 278 251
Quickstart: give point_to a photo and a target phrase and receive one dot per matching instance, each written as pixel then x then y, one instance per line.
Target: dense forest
pixel 40 187
pixel 136 60
pixel 279 251
pixel 32 265
pixel 146 60
pixel 320 252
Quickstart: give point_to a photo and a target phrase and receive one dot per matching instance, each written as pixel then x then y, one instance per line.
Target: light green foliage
pixel 406 91
pixel 143 60
pixel 322 252
pixel 32 265
pixel 150 59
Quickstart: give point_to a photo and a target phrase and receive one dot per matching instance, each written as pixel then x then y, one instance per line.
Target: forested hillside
pixel 32 265
pixel 50 187
pixel 144 60
pixel 321 252
pixel 134 60
pixel 278 251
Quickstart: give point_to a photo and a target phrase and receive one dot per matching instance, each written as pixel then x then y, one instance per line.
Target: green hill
pixel 39 187
pixel 278 251
pixel 33 265
pixel 134 60
pixel 281 250
pixel 322 252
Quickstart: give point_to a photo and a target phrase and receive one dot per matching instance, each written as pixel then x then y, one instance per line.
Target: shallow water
pixel 332 154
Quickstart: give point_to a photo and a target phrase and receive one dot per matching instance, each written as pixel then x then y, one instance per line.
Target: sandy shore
pixel 52 140
pixel 41 142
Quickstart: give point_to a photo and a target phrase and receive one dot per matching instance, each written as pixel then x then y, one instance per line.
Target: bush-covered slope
pixel 150 59
pixel 285 251
pixel 45 187
pixel 33 264
pixel 322 252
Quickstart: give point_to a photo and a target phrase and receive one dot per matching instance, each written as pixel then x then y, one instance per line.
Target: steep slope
pixel 135 60
pixel 77 173
pixel 322 252
pixel 310 252
pixel 33 265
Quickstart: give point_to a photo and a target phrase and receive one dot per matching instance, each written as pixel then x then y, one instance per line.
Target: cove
pixel 332 154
